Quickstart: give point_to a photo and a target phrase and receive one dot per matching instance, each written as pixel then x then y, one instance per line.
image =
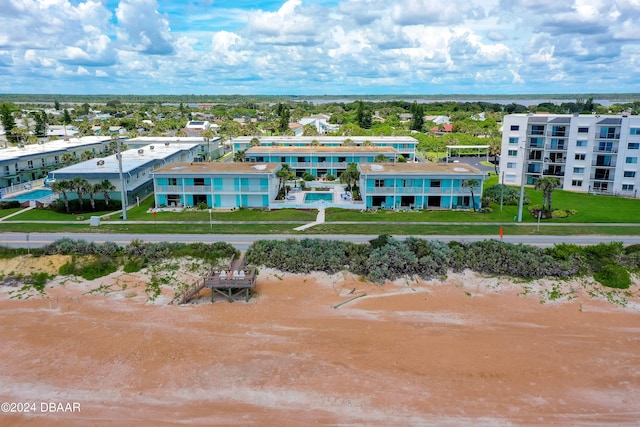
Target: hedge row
pixel 386 258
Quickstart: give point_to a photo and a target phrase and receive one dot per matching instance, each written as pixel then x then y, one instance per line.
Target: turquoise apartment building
pixel 319 161
pixel 419 186
pixel 403 145
pixel 219 185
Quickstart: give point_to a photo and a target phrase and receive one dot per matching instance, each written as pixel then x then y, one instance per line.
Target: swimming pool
pixel 31 195
pixel 315 197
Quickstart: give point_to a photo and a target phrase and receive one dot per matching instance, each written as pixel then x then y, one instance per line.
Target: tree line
pixel 81 187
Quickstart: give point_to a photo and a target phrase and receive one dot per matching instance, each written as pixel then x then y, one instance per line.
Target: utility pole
pixel 123 190
pixel 522 179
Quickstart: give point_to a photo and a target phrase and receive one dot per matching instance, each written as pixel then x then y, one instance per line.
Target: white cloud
pixel 299 46
pixel 143 27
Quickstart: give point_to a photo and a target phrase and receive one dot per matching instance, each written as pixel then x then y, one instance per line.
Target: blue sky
pixel 301 47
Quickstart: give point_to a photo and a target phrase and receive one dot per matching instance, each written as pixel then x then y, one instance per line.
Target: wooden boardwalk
pixel 236 282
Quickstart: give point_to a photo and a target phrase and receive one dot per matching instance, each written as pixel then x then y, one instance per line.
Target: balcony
pixel 609 150
pixel 553 173
pixel 600 178
pixel 558 147
pixel 206 189
pixel 604 164
pixel 609 135
pixel 558 133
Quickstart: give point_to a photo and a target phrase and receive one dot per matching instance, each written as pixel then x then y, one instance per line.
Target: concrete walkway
pixel 17 213
pixel 319 220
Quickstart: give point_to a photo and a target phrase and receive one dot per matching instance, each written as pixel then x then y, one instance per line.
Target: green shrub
pixel 99 268
pixel 134 264
pixel 67 269
pixel 330 177
pixel 613 276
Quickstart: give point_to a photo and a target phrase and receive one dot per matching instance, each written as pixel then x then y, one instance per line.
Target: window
pixel 609 133
pixel 510 178
pixel 379 183
pixel 513 140
pixel 513 153
pixel 515 127
pixel 576 183
pixel 631 160
pixel 581 143
pixel 627 187
pixel 56 160
pixel 301 159
pixel 629 174
pixel 511 165
pixel 342 159
pixel 283 159
pixel 43 162
pixel 435 183
pixel 583 130
pixel 173 181
pixel 580 156
pixel 537 129
pixel 605 146
pixel 634 131
pixel 633 145
pixel 322 159
pixel 198 181
pixel 578 170
pixel 30 164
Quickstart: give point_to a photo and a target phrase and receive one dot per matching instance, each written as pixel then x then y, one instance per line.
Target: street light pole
pixel 522 179
pixel 123 191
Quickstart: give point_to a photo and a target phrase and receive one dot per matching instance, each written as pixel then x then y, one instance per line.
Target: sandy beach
pixel 466 350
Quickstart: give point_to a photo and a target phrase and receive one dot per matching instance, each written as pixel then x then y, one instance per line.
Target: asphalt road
pixel 243 241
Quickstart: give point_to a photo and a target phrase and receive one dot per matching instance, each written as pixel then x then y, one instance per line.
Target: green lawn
pixel 7 212
pixel 591 209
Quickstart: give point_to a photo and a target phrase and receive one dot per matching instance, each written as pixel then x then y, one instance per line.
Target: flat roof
pixel 59 145
pixel 131 160
pixel 325 139
pixel 418 168
pixel 320 149
pixel 217 168
pixel 169 139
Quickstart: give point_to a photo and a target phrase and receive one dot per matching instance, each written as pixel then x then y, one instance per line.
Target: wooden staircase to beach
pixel 237 281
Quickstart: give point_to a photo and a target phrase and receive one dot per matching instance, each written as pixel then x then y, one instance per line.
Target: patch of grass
pixel 91 270
pixel 49 215
pixel 134 264
pixel 613 276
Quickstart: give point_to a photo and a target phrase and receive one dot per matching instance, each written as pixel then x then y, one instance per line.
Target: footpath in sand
pixel 464 351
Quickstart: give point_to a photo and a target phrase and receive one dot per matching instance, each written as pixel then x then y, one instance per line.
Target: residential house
pixel 420 186
pixel 137 167
pixel 218 185
pixel 585 152
pixel 317 160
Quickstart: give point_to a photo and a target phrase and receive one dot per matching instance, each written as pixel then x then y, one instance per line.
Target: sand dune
pixel 468 350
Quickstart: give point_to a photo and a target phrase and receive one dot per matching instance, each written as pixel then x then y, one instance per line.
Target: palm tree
pixel 67 158
pixel 106 187
pixel 254 142
pixel 207 135
pixel 283 174
pixel 347 142
pixel 471 184
pixel 547 185
pixel 238 156
pixel 81 187
pixel 380 158
pixel 87 155
pixel 350 176
pixel 93 190
pixel 61 187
